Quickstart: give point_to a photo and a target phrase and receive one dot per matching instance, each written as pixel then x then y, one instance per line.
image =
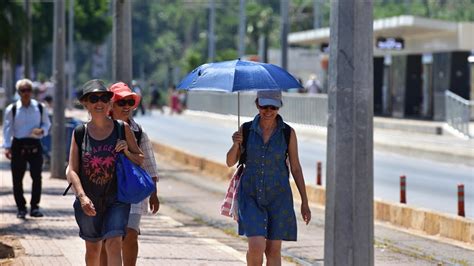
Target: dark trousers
pixel 26 151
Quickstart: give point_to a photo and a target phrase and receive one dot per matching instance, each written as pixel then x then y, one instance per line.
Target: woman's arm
pixel 72 175
pixel 233 154
pixel 150 167
pixel 131 149
pixel 297 173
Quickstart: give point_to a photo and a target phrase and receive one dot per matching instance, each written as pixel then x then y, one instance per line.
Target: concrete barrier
pixel 420 220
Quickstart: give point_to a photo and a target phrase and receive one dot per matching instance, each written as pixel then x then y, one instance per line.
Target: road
pixel 430 184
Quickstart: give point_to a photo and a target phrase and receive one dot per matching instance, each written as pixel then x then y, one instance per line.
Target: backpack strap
pixel 287 133
pixel 120 126
pixel 138 134
pixel 245 133
pixel 79 134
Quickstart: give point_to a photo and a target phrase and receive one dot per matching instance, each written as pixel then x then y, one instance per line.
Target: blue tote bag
pixel 134 183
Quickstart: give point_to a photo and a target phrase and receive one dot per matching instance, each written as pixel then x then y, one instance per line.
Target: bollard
pixel 319 173
pixel 461 200
pixel 403 189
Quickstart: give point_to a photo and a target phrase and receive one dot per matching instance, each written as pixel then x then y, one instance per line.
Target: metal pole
pixel 242 28
pixel 27 52
pixel 71 63
pixel 242 31
pixel 58 157
pixel 349 221
pixel 317 14
pixel 284 6
pixel 122 41
pixel 211 38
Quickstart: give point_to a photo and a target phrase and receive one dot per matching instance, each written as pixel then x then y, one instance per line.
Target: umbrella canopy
pixel 238 75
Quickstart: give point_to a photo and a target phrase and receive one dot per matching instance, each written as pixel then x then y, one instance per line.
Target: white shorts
pixel 134 221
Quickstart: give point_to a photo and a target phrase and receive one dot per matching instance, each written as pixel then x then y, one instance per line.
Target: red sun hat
pixel 121 90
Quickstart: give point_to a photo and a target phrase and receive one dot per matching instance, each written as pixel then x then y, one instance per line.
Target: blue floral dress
pixel 265 198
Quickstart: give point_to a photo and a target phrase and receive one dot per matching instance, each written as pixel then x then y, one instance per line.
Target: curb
pixel 421 221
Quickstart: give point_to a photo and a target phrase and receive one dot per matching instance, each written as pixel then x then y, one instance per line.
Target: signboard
pixel 390 43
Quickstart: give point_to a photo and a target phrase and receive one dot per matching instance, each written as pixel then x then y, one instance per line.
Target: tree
pixel 13 26
pixel 88 14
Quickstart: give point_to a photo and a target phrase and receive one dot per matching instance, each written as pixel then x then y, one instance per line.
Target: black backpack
pixel 246 130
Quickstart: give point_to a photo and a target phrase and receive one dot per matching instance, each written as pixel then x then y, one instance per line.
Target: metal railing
pixel 458 113
pixel 308 109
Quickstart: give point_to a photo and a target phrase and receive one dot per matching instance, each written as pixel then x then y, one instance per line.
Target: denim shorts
pixel 111 222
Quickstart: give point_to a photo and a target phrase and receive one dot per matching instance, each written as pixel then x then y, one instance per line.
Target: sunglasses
pixel 25 90
pixel 94 98
pixel 123 102
pixel 266 107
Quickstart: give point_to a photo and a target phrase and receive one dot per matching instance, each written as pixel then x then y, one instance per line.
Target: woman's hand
pixel 121 146
pixel 305 212
pixel 154 203
pixel 87 205
pixel 237 137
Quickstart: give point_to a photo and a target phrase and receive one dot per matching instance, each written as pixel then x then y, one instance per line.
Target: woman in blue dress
pixel 266 212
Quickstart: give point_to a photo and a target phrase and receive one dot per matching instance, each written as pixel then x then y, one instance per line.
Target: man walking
pixel 25 124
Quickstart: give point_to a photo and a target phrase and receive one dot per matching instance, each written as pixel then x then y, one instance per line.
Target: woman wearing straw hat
pixel 91 171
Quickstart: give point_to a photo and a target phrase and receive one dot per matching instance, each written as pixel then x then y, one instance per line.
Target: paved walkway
pixel 169 238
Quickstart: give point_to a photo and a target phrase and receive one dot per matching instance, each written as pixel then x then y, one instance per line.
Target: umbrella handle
pixel 238 110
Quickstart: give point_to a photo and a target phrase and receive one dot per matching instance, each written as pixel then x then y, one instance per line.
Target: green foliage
pixel 13 26
pixel 91 22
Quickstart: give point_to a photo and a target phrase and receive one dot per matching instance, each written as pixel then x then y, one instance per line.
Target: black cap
pixel 94 85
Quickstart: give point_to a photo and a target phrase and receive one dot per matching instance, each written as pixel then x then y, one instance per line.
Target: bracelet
pixel 80 195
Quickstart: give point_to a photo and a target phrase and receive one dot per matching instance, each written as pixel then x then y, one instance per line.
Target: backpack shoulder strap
pixel 40 107
pixel 79 133
pixel 138 134
pixel 245 133
pixel 120 126
pixel 13 110
pixel 287 132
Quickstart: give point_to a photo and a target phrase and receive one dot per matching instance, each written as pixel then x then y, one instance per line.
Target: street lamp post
pixel 58 156
pixel 122 41
pixel 349 222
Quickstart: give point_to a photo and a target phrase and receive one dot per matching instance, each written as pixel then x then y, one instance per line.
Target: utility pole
pixel 70 49
pixel 27 44
pixel 58 133
pixel 349 222
pixel 242 28
pixel 211 38
pixel 122 42
pixel 284 6
pixel 317 14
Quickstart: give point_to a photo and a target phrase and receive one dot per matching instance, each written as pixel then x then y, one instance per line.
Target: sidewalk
pixel 169 238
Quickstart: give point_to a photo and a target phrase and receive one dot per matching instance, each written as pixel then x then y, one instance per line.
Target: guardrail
pixel 458 113
pixel 308 109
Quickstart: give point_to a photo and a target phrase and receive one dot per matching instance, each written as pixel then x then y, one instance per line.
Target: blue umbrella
pixel 238 75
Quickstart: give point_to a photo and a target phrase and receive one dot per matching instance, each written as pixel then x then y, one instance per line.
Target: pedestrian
pixel 136 88
pixel 25 123
pixel 174 102
pixel 313 85
pixel 155 100
pixel 124 102
pixel 91 170
pixel 265 202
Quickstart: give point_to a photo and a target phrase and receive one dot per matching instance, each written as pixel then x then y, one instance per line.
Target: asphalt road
pixel 430 184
